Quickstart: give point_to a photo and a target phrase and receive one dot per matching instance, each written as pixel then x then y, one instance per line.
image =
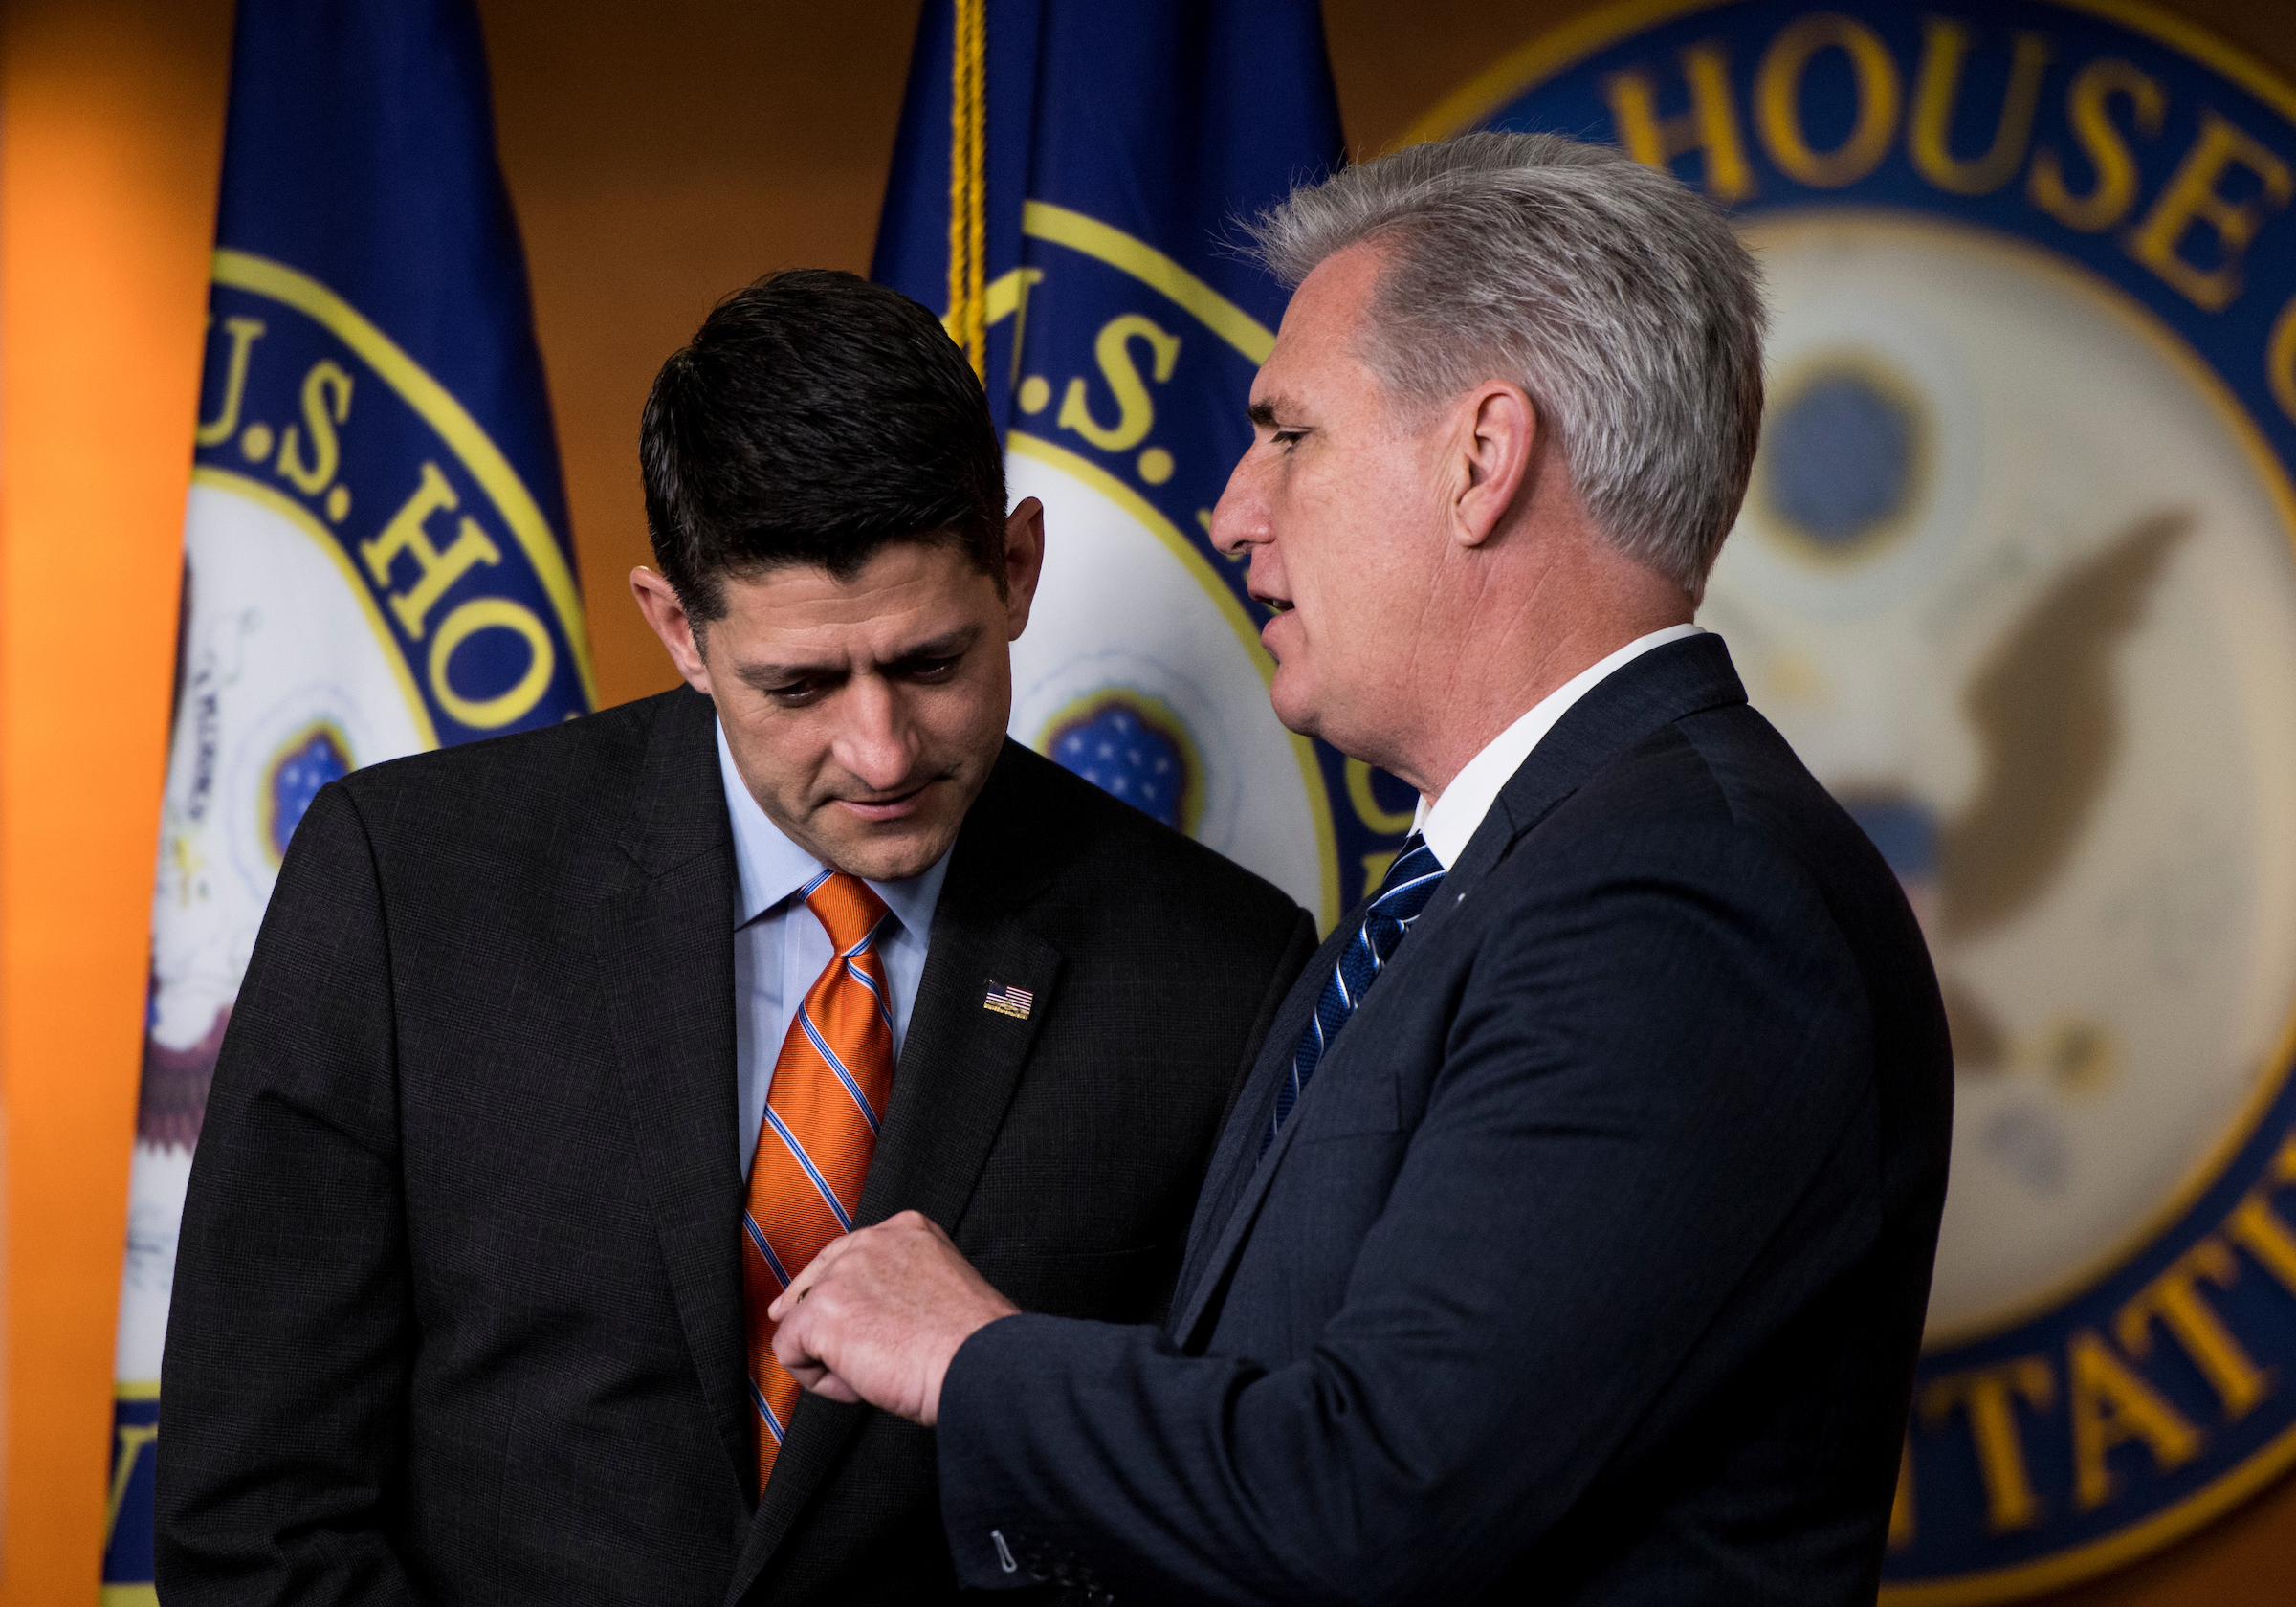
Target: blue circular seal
pixel 1126 744
pixel 1841 459
pixel 2017 577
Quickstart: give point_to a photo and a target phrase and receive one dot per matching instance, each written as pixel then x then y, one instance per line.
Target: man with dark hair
pixel 559 1055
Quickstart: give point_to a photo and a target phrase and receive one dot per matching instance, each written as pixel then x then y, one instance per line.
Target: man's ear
pixel 1497 431
pixel 658 600
pixel 1023 563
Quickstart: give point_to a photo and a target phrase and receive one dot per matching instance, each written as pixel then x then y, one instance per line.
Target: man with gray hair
pixel 1572 1236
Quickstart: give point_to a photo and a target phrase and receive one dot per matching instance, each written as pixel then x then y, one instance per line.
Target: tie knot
pixel 1413 862
pixel 848 908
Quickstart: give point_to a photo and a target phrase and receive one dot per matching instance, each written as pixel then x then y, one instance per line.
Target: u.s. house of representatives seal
pixel 366 575
pixel 2016 577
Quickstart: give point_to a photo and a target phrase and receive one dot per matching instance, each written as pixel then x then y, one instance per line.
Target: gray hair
pixel 1620 301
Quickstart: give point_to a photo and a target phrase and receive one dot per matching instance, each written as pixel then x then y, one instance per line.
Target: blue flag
pixel 1066 189
pixel 375 548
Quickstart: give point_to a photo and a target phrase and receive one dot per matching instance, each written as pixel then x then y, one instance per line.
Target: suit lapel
pixel 1238 1151
pixel 1218 1235
pixel 1664 685
pixel 666 973
pixel 960 1062
pixel 959 1065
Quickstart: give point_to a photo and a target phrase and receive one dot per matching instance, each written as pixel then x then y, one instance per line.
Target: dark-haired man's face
pixel 864 715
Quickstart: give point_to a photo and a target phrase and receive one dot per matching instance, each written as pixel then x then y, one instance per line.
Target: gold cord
pixel 968 184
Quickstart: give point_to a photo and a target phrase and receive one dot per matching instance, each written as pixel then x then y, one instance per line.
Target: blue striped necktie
pixel 1411 882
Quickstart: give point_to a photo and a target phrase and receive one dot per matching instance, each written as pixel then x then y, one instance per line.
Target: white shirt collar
pixel 771 868
pixel 1451 820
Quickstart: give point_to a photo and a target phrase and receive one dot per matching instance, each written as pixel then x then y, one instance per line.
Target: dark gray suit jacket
pixel 1591 1265
pixel 458 1309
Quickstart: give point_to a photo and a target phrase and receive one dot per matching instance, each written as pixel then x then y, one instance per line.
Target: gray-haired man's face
pixel 1340 504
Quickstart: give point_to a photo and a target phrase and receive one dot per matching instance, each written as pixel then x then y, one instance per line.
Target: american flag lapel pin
pixel 1009 1000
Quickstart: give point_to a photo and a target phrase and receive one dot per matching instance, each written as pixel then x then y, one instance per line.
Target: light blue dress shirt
pixel 780 949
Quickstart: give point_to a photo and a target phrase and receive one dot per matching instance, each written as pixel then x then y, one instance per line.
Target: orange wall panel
pixel 109 131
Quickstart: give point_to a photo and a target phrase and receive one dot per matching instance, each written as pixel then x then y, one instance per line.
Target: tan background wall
pixel 658 155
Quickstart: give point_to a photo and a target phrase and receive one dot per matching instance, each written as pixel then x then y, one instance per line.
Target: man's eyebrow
pixel 950 644
pixel 769 677
pixel 765 678
pixel 1262 412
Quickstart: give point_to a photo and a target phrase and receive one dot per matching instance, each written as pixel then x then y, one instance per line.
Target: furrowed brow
pixel 954 644
pixel 766 678
pixel 770 677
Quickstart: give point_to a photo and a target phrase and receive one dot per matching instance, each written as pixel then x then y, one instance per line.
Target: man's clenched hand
pixel 878 1316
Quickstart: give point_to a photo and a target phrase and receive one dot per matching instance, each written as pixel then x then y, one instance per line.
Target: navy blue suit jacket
pixel 1591 1265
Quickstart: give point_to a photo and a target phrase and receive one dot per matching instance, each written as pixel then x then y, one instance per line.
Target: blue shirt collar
pixel 772 867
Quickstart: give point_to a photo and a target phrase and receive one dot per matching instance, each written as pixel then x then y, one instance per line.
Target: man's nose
pixel 874 739
pixel 1240 520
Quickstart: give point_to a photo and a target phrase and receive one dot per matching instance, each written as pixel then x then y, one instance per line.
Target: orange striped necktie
pixel 822 1111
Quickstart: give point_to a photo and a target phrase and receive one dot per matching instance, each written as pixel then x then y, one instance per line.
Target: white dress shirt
pixel 781 947
pixel 1451 819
